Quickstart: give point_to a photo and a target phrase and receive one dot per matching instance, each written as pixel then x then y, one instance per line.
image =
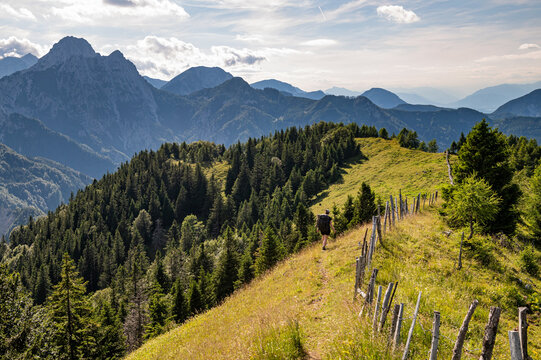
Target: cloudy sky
pixel 456 45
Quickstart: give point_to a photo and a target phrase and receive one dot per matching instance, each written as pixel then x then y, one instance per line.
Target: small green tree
pixel 269 252
pixel 533 214
pixel 157 311
pixel 432 146
pixel 473 202
pixel 180 311
pixel 70 312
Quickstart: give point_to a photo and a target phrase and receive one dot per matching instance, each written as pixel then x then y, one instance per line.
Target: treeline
pixel 162 239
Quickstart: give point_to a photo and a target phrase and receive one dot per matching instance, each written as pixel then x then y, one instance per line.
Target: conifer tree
pixel 43 285
pixel 485 155
pixel 179 309
pixel 157 312
pixel 226 271
pixel 111 343
pixel 364 206
pixel 269 252
pixel 195 303
pixel 246 272
pixel 70 312
pixel 533 214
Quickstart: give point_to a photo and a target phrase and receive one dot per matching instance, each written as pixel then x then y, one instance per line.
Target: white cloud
pixel 397 14
pixel 166 57
pixel 320 42
pixel 529 46
pixel 533 55
pixel 15 47
pixel 21 13
pixel 249 38
pixel 91 10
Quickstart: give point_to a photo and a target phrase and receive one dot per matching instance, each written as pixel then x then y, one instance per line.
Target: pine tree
pixel 157 313
pixel 269 252
pixel 111 343
pixel 195 303
pixel 485 155
pixel 179 310
pixel 43 285
pixel 70 312
pixel 533 213
pixel 246 272
pixel 364 206
pixel 226 271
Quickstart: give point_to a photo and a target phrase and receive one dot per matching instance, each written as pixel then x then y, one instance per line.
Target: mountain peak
pixel 66 48
pixel 383 98
pixel 195 79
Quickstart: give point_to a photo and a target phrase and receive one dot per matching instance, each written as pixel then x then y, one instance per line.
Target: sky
pixel 457 46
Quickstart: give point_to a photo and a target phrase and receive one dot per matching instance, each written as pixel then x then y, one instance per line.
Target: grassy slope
pixel 388 169
pixel 315 288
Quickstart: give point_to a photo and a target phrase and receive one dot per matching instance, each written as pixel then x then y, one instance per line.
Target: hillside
pixel 32 187
pixel 315 288
pixel 387 169
pixel 527 105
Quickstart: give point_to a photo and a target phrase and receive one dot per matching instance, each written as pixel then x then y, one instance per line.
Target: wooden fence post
pixel 357 274
pixel 369 291
pixel 392 209
pixel 401 205
pixel 394 322
pixel 457 350
pixel 396 339
pixel 418 202
pixel 435 336
pixel 436 198
pixel 378 227
pixel 523 332
pixel 385 217
pixel 490 333
pixel 514 343
pixel 376 311
pixel 385 306
pixel 460 253
pixel 410 334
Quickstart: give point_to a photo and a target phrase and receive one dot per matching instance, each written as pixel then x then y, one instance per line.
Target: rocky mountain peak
pixel 66 48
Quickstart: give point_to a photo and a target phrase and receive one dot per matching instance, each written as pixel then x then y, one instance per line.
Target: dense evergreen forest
pixel 162 239
pixel 143 249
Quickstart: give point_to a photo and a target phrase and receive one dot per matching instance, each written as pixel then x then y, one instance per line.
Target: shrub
pixel 529 261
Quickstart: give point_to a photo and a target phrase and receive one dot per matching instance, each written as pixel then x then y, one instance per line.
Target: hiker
pixel 324 225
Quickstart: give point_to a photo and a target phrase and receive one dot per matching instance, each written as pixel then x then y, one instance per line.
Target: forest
pixel 166 236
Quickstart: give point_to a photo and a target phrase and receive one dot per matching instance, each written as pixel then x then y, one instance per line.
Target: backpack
pixel 324 223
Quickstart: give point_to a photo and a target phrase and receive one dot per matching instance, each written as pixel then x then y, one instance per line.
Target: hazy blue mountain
pixel 288 89
pixel 30 137
pixel 100 101
pixel 426 95
pixel 527 105
pixel 529 127
pixel 157 83
pixel 410 107
pixel 413 98
pixel 383 98
pixel 490 98
pixel 195 79
pixel 32 186
pixel 10 64
pixel 339 91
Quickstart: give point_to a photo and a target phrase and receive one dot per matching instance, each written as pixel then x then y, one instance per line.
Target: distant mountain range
pixel 10 64
pixel 490 98
pixel 31 187
pixel 383 98
pixel 92 112
pixel 288 89
pixel 527 105
pixel 157 83
pixel 195 79
pixel 339 91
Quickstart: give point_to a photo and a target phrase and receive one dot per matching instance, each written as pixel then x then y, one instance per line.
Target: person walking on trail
pixel 324 225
